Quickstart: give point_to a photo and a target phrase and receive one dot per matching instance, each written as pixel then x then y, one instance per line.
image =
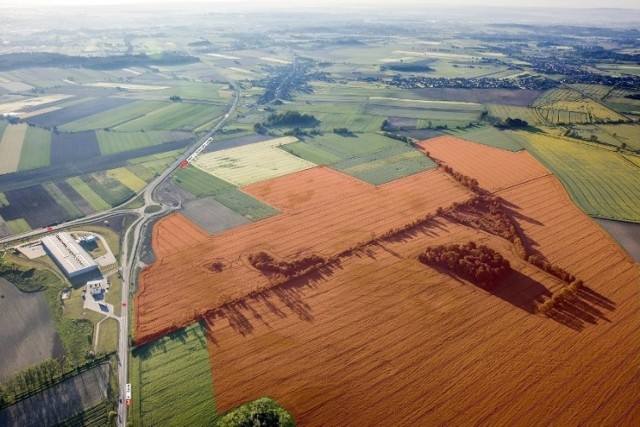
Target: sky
pixel 631 4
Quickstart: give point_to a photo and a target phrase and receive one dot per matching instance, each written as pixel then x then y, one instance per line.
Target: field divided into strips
pixel 36 149
pixel 11 141
pixel 352 121
pixel 71 210
pixel 16 106
pixel 82 188
pixel 117 142
pixel 504 139
pixel 530 115
pixel 621 134
pixel 114 117
pixel 18 226
pixel 598 92
pixel 172 382
pixel 174 116
pixel 156 163
pixel 252 163
pixel 203 184
pixel 562 106
pixel 127 178
pixel 370 157
pixel 440 113
pixel 110 189
pixel 600 181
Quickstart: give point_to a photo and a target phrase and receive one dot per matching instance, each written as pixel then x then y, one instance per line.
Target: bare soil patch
pixel 212 216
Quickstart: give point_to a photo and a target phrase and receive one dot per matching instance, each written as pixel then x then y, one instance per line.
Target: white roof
pixel 69 254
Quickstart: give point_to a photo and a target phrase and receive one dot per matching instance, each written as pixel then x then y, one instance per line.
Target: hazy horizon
pixel 578 4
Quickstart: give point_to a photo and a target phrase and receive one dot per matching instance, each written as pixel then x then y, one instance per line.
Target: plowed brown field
pixel 383 339
pixel 492 167
pixel 324 212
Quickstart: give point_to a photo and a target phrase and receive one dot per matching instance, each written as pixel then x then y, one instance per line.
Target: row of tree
pixel 479 264
pixel 268 265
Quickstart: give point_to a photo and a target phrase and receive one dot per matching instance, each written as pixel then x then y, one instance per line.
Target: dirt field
pixel 212 215
pixel 381 336
pixel 69 147
pixel 507 169
pixel 27 332
pixel 59 402
pixel 324 212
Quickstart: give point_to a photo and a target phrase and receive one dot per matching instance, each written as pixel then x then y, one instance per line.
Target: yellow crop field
pixel 564 105
pixel 252 163
pixel 601 181
pixel 127 178
pixel 15 106
pixel 530 115
pixel 11 147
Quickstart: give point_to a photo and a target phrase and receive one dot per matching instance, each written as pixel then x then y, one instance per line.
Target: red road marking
pixel 124 304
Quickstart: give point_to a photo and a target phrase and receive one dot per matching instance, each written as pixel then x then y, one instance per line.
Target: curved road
pixel 128 260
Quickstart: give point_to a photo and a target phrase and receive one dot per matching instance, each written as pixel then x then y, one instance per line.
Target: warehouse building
pixel 68 254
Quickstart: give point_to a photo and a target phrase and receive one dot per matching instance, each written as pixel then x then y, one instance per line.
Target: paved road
pixel 129 263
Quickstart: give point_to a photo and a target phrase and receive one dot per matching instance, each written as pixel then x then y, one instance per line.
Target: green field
pixel 200 183
pixel 601 181
pixel 117 142
pixel 62 200
pixel 503 139
pixel 371 157
pixel 440 113
pixel 36 149
pixel 142 172
pixel 108 339
pixel 172 382
pixel 18 226
pixel 107 188
pixel 245 205
pixel 530 115
pixel 96 416
pixel 156 163
pixel 203 184
pixel 174 116
pixel 88 194
pixel 114 116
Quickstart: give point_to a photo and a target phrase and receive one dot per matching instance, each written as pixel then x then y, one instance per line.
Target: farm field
pixel 173 381
pixel 36 149
pixel 562 106
pixel 174 116
pixel 514 97
pixel 11 141
pixel 440 113
pixel 85 191
pixel 77 112
pixel 117 142
pixel 504 139
pixel 627 234
pixel 530 115
pixel 283 341
pixel 113 117
pixel 508 168
pixel 600 181
pixel 211 215
pixel 21 207
pixel 17 106
pixel 25 314
pixel 370 157
pixel 313 204
pixel 60 401
pixel 254 163
pixel 126 178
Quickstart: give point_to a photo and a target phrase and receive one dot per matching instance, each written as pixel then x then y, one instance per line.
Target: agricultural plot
pixel 626 134
pixel 370 157
pixel 156 163
pixel 17 106
pixel 353 122
pixel 323 213
pixel 514 97
pixel 127 178
pixel 34 205
pixel 76 199
pixel 108 188
pixel 212 216
pixel 253 163
pixel 598 92
pixel 96 202
pixel 202 184
pixel 36 149
pixel 117 142
pixel 114 116
pixel 61 198
pixel 70 147
pixel 530 115
pixel 25 315
pixel 174 116
pixel 439 112
pixel 173 380
pixel 600 181
pixel 11 142
pixel 61 401
pixel 77 112
pixel 504 139
pixel 562 106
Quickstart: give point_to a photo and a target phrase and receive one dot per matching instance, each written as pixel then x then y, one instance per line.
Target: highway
pixel 129 261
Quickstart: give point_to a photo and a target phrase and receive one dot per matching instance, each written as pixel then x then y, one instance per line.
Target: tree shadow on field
pixel 521 291
pixel 278 299
pixel 428 229
pixel 585 307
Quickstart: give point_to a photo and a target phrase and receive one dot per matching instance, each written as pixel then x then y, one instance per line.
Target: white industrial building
pixel 68 254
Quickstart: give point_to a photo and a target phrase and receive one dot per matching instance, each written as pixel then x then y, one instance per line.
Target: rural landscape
pixel 244 214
